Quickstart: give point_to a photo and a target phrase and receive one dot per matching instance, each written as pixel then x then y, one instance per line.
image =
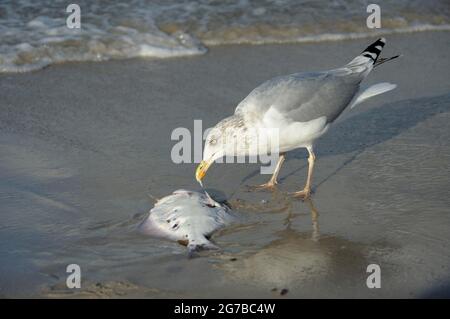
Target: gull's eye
pixel 213 141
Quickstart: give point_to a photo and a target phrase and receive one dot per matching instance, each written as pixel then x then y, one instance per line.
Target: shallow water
pixel 34 33
pixel 82 150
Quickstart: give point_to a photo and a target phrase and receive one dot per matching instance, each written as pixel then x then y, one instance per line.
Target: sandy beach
pixel 84 146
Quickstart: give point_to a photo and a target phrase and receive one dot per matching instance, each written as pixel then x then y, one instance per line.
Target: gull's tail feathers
pixel 372 91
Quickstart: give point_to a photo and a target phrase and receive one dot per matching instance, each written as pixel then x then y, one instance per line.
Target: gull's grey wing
pixel 303 97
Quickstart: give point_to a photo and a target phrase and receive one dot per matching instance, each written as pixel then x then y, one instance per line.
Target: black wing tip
pixel 374 50
pixel 382 60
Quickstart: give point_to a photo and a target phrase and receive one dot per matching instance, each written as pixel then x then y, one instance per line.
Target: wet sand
pixel 84 144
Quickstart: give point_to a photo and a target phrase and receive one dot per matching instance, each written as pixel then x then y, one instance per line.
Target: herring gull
pixel 299 106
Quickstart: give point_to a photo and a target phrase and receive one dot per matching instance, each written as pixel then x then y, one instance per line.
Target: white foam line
pixel 332 36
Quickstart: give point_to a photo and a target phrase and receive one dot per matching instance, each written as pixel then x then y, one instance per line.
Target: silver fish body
pixel 188 218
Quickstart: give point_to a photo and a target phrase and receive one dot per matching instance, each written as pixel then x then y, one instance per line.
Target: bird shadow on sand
pixel 366 129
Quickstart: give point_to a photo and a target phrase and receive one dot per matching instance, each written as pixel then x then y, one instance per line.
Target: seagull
pixel 299 107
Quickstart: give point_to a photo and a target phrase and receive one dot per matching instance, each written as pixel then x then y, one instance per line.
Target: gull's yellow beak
pixel 201 170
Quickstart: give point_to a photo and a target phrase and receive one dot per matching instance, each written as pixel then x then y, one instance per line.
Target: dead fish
pixel 188 218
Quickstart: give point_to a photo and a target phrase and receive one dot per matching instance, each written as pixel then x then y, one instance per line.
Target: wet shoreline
pixel 84 144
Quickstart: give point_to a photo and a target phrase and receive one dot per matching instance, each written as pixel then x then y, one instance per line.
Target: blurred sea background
pixel 34 33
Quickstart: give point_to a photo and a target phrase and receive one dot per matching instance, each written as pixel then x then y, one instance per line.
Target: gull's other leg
pixel 306 192
pixel 273 180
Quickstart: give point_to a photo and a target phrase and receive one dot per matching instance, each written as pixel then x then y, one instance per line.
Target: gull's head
pixel 227 138
pixel 214 149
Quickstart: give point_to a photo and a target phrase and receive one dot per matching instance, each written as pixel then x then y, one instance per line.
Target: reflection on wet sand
pixel 297 258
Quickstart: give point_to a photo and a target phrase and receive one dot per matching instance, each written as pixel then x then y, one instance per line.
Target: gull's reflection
pixel 314 219
pixel 296 258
